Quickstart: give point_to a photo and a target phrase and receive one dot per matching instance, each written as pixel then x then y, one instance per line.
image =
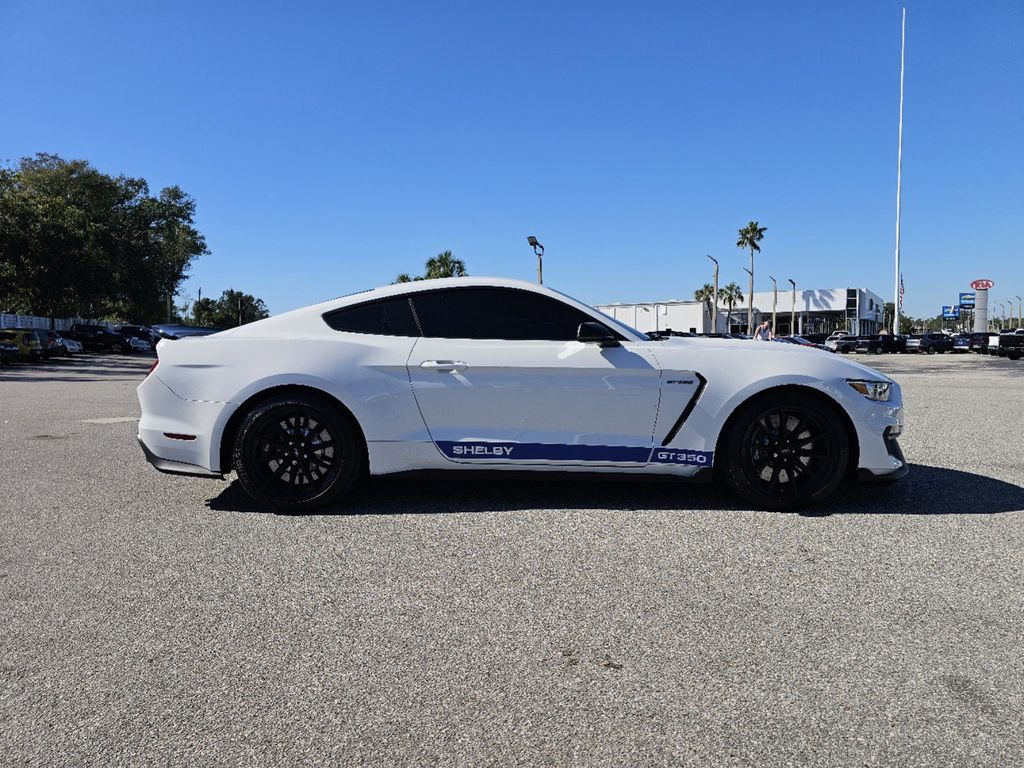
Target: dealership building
pixel 822 310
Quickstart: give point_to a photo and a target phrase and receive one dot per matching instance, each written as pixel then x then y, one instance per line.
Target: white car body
pixel 425 403
pixel 140 345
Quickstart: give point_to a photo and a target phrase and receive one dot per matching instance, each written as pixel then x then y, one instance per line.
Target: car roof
pixel 287 320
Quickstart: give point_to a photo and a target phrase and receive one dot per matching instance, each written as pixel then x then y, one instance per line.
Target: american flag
pixel 901 291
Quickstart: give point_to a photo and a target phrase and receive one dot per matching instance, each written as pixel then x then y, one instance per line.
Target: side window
pixel 496 313
pixel 387 317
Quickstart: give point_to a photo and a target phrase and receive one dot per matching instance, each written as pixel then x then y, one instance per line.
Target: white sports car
pixel 483 373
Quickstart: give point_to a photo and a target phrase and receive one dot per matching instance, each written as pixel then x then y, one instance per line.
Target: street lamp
pixel 714 298
pixel 775 299
pixel 792 314
pixel 539 250
pixel 750 302
pixel 1020 306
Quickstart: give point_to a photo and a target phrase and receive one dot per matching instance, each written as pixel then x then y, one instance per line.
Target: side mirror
pixel 596 333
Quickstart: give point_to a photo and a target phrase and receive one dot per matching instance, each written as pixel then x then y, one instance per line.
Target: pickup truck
pixel 98 338
pixel 876 344
pixel 1011 344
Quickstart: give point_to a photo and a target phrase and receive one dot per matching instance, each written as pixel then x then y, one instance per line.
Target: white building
pixel 820 310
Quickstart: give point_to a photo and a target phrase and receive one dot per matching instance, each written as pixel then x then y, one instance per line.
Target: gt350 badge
pixel 681 456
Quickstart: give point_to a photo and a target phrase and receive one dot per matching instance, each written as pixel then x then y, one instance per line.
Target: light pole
pixel 792 313
pixel 539 250
pixel 1002 315
pixel 714 298
pixel 775 299
pixel 1020 306
pixel 750 299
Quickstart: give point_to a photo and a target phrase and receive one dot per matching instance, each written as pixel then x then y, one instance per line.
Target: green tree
pixel 443 265
pixel 731 295
pixel 749 238
pixel 75 241
pixel 233 308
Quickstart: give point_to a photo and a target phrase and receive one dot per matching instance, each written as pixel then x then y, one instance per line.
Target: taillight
pixel 152 367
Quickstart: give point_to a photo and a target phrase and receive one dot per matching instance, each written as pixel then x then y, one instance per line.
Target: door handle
pixel 444 366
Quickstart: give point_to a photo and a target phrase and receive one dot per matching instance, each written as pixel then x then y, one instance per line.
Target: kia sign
pixel 967 301
pixel 982 285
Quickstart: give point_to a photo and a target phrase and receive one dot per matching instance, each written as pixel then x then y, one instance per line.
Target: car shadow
pixel 925 491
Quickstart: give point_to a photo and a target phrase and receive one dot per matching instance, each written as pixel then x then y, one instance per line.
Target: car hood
pixel 762 357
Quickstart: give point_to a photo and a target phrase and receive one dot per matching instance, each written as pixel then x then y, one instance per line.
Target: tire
pixel 930 350
pixel 774 435
pixel 1014 355
pixel 276 431
pixel 877 351
pixel 116 348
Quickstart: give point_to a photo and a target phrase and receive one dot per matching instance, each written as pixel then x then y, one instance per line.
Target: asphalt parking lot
pixel 148 619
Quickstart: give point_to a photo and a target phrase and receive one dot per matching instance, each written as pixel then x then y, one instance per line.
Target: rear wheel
pixel 297 452
pixel 930 350
pixel 785 451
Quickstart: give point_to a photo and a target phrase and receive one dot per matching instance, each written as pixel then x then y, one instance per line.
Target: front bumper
pixel 899 461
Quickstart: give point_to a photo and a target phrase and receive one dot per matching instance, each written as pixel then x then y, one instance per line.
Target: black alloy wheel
pixel 295 453
pixel 116 347
pixel 786 451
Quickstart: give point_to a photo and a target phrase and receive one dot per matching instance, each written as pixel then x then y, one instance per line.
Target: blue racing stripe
pixel 475 449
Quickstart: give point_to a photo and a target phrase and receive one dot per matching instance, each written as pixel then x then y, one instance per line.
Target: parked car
pixel 177 331
pixel 51 343
pixel 962 342
pixel 8 352
pixel 71 347
pixel 140 345
pixel 493 374
pixel 929 343
pixel 841 342
pixel 876 344
pixel 29 347
pixel 99 338
pixel 801 341
pixel 139 332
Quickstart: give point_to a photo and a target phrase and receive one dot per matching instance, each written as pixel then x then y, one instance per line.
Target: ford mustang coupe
pixel 494 374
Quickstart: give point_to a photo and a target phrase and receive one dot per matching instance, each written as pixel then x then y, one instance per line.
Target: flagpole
pixel 899 180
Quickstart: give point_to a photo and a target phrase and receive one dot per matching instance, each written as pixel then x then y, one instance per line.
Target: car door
pixel 499 377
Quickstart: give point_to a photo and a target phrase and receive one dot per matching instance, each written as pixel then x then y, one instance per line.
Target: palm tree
pixel 731 295
pixel 444 265
pixel 749 237
pixel 706 293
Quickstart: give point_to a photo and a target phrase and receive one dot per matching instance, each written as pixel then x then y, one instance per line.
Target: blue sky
pixel 332 145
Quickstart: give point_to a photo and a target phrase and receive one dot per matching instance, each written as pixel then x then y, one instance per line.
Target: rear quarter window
pixel 385 317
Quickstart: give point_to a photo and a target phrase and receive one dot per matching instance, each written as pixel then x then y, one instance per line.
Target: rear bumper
pixel 177 467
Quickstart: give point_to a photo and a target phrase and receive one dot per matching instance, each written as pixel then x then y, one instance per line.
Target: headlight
pixel 872 390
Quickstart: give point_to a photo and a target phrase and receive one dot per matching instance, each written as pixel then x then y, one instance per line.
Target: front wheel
pixel 297 452
pixel 930 350
pixel 785 451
